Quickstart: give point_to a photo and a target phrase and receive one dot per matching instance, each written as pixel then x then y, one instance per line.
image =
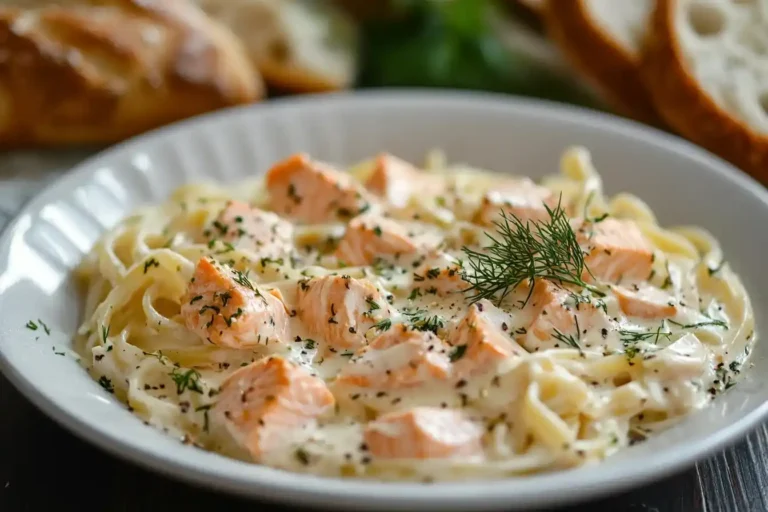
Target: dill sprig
pixel 568 339
pixel 421 320
pixel 186 380
pixel 521 252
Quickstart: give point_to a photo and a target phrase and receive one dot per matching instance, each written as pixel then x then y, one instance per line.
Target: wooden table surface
pixel 43 466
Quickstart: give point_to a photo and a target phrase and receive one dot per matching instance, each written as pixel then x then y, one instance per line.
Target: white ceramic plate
pixel 681 183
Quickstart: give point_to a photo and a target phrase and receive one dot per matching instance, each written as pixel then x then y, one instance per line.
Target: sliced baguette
pixel 603 39
pixel 706 65
pixel 298 45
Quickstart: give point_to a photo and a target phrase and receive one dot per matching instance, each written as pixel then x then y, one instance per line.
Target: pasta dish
pixel 399 322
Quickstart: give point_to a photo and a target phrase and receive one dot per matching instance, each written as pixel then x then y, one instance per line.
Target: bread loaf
pixel 98 71
pixel 706 65
pixel 297 45
pixel 603 40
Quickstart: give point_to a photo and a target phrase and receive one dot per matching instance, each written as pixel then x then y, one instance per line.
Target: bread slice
pixel 99 71
pixel 603 41
pixel 298 45
pixel 706 65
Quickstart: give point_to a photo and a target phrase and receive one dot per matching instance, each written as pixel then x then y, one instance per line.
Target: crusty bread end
pixel 687 104
pixel 603 60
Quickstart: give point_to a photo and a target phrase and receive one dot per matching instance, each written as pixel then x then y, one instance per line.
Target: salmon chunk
pixel 486 338
pixel 261 403
pixel 252 229
pixel 400 357
pixel 645 302
pixel 370 236
pixel 521 198
pixel 340 309
pixel 314 192
pixel 222 306
pixel 556 309
pixel 616 250
pixel 423 433
pixel 396 181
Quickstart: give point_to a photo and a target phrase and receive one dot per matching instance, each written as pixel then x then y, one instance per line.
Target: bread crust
pixel 274 50
pixel 595 54
pixel 688 108
pixel 99 71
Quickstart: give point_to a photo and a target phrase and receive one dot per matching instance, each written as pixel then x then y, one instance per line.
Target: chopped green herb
pixel 422 321
pixel 106 384
pixel 457 352
pixel 151 262
pixel 105 332
pixel 186 380
pixel 309 344
pixel 570 340
pixel 382 325
pixel 32 326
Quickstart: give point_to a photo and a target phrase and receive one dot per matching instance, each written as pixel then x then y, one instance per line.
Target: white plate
pixel 683 185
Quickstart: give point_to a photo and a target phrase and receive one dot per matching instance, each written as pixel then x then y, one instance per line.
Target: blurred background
pixel 78 75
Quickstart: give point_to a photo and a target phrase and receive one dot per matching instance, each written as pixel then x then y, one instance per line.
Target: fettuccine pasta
pixel 404 323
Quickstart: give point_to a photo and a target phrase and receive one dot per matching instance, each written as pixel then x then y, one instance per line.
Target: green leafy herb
pixel 204 409
pixel 569 339
pixel 32 326
pixel 523 252
pixel 105 332
pixel 189 379
pixel 45 327
pixel 382 325
pixel 457 353
pixel 242 279
pixel 421 320
pixel 372 304
pixel 151 262
pixel 106 384
pixel 715 323
pixel 309 344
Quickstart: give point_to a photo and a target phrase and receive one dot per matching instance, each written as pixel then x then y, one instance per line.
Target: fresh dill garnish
pixel 32 326
pixel 242 279
pixel 630 339
pixel 151 262
pixel 457 353
pixel 421 320
pixel 415 293
pixel 45 327
pixel 628 336
pixel 569 339
pixel 105 332
pixel 382 325
pixel 521 252
pixel 594 220
pixel 715 323
pixel 309 344
pixel 433 273
pixel 189 379
pixel 204 409
pixel 372 304
pixel 106 384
